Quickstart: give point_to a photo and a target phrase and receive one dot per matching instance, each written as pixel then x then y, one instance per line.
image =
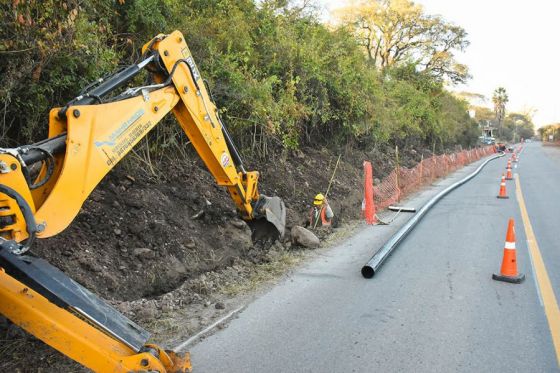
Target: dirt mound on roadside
pixel 144 241
pixel 141 235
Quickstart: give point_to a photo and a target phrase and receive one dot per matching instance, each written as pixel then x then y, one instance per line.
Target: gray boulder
pixel 304 237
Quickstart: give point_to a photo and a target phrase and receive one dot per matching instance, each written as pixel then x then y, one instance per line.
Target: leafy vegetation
pixel 282 78
pixel 518 126
pixel 546 132
pixel 510 126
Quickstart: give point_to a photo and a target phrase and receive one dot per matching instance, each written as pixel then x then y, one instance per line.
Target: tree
pixel 397 31
pixel 281 78
pixel 550 130
pixel 500 99
pixel 518 125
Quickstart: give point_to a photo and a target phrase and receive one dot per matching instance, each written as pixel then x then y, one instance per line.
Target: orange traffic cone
pixel 508 272
pixel 514 156
pixel 509 176
pixel 508 164
pixel 502 193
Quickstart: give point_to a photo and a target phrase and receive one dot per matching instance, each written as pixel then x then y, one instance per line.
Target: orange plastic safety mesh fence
pixel 403 181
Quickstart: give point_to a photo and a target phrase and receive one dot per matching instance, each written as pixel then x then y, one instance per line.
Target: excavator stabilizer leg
pixel 41 299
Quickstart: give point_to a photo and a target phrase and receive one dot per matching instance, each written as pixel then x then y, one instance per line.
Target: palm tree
pixel 500 99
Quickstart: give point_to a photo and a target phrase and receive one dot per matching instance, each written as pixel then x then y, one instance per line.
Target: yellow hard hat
pixel 319 198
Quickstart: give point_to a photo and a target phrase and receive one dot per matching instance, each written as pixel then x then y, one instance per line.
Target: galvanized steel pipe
pixel 371 268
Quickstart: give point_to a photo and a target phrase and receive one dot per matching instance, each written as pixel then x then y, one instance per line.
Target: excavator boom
pixel 44 185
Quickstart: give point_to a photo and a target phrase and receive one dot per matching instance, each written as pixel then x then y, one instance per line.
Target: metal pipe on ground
pixel 402 209
pixel 371 267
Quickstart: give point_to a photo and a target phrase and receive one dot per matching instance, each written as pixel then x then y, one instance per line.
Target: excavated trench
pixel 154 243
pixel 141 235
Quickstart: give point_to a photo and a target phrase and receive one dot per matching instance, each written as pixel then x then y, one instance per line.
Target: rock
pixel 304 237
pixel 278 246
pixel 167 307
pixel 144 252
pixel 190 244
pixel 219 306
pixel 96 196
pixel 117 231
pixel 133 202
pixel 148 311
pixel 198 215
pixel 136 229
pixel 176 268
pixel 190 195
pixel 123 307
pixel 237 223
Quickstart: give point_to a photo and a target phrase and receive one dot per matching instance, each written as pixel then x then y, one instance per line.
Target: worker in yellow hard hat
pixel 320 212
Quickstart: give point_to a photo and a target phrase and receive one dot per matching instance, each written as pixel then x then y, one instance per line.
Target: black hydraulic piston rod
pixel 371 267
pixel 107 86
pixel 43 149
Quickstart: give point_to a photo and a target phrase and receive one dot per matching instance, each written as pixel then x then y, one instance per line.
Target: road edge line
pixel 550 304
pixel 207 329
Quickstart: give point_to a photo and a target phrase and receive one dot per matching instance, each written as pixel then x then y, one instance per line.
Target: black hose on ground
pixel 371 267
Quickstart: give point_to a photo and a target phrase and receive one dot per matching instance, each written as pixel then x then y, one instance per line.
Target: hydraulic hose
pixel 371 267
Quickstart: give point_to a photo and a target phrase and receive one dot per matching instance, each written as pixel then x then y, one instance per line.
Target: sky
pixel 514 44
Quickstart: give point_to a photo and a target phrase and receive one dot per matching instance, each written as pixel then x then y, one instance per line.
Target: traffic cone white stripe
pixel 510 245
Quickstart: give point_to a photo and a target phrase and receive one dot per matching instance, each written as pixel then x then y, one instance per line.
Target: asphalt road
pixel 432 307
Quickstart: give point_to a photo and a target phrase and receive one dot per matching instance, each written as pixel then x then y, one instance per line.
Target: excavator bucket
pixel 270 219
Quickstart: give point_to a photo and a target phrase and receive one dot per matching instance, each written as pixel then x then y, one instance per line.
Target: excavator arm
pixel 90 135
pixel 44 185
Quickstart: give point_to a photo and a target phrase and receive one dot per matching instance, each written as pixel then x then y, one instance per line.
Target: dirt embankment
pixel 152 244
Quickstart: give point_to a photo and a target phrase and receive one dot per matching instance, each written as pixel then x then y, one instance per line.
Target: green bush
pixel 280 77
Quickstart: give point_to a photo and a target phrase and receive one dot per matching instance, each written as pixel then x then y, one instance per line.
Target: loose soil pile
pixel 161 243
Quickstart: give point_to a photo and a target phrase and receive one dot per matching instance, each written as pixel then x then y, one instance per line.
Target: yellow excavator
pixel 43 186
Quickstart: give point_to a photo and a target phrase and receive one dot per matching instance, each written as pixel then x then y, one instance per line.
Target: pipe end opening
pixel 367 271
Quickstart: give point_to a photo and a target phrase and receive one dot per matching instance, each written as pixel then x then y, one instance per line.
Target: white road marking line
pixel 207 329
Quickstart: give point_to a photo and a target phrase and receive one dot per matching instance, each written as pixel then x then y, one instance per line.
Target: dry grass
pixel 264 273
